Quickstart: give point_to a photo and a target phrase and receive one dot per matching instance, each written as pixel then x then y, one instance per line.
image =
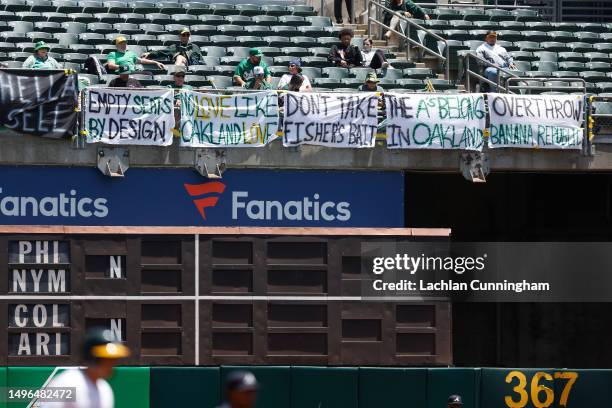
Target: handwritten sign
pixel 542 121
pixel 241 120
pixel 332 120
pixel 435 121
pixel 39 102
pixel 129 117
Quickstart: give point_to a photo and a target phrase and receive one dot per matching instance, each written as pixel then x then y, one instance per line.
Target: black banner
pixel 39 102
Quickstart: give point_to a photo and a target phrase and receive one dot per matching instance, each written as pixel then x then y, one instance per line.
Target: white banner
pixel 536 121
pixel 435 121
pixel 128 116
pixel 241 120
pixel 332 120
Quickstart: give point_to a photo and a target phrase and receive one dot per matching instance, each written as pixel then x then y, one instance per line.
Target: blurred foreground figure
pixel 240 390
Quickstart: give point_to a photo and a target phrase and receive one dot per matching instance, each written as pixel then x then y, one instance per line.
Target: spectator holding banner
pixel 496 55
pixel 294 77
pixel 246 69
pixel 405 8
pixel 183 53
pixel 258 82
pixel 345 54
pixel 124 80
pixel 125 58
pixel 41 58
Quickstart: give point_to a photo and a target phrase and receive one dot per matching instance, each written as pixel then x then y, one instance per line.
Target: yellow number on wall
pixel 519 389
pixel 536 389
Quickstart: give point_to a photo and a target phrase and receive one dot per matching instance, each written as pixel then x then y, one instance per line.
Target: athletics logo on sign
pixel 196 190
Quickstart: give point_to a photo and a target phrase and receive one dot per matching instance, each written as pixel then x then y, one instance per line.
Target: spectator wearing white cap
pixel 295 68
pixel 258 81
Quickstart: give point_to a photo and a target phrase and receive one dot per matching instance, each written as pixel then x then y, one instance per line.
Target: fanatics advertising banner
pixel 39 102
pixel 542 121
pixel 332 119
pixel 123 116
pixel 35 195
pixel 241 120
pixel 435 121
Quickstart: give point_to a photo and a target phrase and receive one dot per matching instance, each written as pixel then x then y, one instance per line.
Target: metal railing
pixel 543 80
pixel 406 36
pixel 548 10
pixel 487 64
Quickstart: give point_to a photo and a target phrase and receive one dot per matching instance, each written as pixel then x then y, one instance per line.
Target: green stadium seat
pixel 274 9
pixel 168 7
pixel 292 21
pixel 511 25
pixel 472 44
pixel 100 28
pixel 604 87
pixel 239 20
pixel 410 83
pixel 148 28
pixel 118 7
pixel 457 35
pixel 599 66
pixel 257 30
pixel 470 14
pixel 271 51
pixel 111 18
pixel 606 47
pixel 580 46
pixel 319 51
pixel 214 51
pixel 277 70
pixel 572 66
pixel 21 26
pixel 318 62
pixel 210 60
pixel 536 35
pixel 442 84
pixel 77 68
pixel 232 60
pixel 223 9
pixel 565 26
pixel 143 7
pixel 48 27
pixel 523 66
pixel 400 63
pixel 82 48
pixel 525 15
pixel 66 6
pixel 29 16
pixel 92 7
pixel 593 76
pixel 588 37
pixel 592 27
pixel 282 60
pixel 92 38
pixel 548 56
pixel 137 18
pixel 36 36
pixel 164 80
pixel 335 72
pixel 75 57
pixel 418 73
pixel 277 41
pixel 598 57
pixel 457 24
pixel 198 80
pixel 248 9
pixel 185 19
pixel 208 69
pixel 85 18
pixel 511 35
pixel 159 18
pixel 57 17
pixel 284 30
pixel 166 39
pixel 204 29
pixel 43 6
pixel 66 38
pixel 359 73
pixel 145 80
pixel 265 20
pixel 528 45
pixel 561 36
pixel 196 8
pixel 250 41
pixel 499 15
pixel 310 31
pixel 312 72
pixel 7 16
pixel 14 5
pixel 223 40
pixel 447 14
pixel 7 47
pixel 524 56
pixel 554 46
pixel 230 29
pixel 13 37
pixel 318 21
pixel 304 42
pixel 296 51
pixel 327 82
pixel 105 48
pixel 572 56
pixel 227 70
pixel 548 66
pixel 101 57
pixel 437 25
pixel 538 74
pixel 19 56
pixel 25 46
pixel 211 19
pixel 485 25
pixel 539 26
pixel 301 10
pixel 353 82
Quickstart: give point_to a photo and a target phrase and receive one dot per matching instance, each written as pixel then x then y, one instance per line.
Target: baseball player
pixel 454 401
pixel 100 353
pixel 240 390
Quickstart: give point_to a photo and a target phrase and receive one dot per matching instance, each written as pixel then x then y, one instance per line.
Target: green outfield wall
pixel 344 387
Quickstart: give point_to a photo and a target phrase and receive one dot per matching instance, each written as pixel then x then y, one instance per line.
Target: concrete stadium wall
pixel 30 150
pixel 347 387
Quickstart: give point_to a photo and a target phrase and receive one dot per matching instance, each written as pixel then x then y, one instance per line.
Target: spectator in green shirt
pixel 401 7
pixel 245 70
pixel 258 81
pixel 124 57
pixel 41 59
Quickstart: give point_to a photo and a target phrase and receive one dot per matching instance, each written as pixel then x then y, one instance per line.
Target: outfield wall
pixel 347 387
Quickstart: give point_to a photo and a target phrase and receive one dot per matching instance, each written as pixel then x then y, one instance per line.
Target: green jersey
pixel 128 58
pixel 35 62
pixel 245 69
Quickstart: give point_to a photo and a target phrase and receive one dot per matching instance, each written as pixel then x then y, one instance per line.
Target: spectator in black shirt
pixel 345 54
pixel 124 80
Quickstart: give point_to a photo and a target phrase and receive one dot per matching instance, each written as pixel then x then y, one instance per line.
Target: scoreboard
pixel 202 299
